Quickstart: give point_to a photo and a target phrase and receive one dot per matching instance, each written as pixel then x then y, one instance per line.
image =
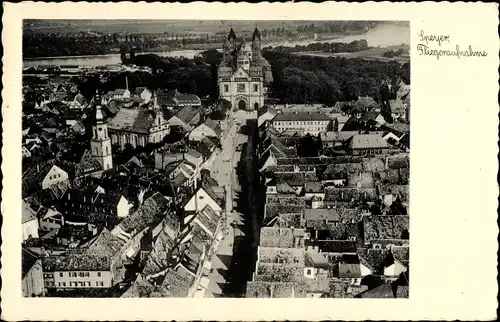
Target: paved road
pixel 223 170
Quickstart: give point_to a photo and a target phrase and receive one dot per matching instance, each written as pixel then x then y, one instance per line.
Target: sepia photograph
pixel 215 159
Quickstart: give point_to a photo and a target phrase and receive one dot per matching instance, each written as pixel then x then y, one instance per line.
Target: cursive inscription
pixel 439 39
pixel 441 46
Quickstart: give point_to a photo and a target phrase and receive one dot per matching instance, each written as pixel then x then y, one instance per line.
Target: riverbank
pixel 376 53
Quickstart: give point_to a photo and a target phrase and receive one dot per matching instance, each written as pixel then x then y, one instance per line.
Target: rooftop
pixel 385 227
pixel 301 116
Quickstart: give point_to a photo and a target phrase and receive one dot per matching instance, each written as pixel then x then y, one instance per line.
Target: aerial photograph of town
pixel 215 159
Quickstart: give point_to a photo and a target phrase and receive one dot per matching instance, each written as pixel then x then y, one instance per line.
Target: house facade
pixel 308 122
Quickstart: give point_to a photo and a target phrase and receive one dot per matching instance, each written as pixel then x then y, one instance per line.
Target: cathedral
pixel 243 75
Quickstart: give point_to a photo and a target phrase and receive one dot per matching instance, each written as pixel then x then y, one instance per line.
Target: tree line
pixel 327 47
pixel 327 80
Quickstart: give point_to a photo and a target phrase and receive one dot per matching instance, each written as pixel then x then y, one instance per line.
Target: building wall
pixel 32 283
pixel 312 127
pixel 365 271
pixel 50 223
pixel 395 269
pixel 123 207
pixel 30 229
pixel 83 279
pixel 201 132
pixel 250 91
pixel 203 200
pixel 55 176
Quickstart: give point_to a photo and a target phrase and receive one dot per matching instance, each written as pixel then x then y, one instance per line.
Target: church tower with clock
pixel 100 145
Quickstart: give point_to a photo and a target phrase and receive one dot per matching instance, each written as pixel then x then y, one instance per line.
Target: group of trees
pixel 333 47
pixel 337 26
pixel 198 76
pixel 392 53
pixel 305 79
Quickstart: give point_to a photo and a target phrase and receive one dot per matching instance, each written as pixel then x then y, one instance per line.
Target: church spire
pixel 256 33
pixel 98 112
pixel 232 35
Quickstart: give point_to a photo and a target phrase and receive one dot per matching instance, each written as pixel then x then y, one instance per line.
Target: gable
pixel 240 72
pixel 200 200
pixel 54 171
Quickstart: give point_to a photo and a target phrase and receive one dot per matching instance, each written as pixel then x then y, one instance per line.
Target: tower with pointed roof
pixel 243 75
pixel 100 144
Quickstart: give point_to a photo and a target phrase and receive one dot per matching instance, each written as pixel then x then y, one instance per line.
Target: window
pixel 101 283
pixel 81 274
pixel 255 87
pixel 241 88
pixel 309 271
pixel 226 88
pixel 97 283
pixel 60 274
pixel 106 150
pixel 64 284
pixel 98 274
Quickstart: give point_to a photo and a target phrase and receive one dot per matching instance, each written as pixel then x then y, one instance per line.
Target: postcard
pixel 210 161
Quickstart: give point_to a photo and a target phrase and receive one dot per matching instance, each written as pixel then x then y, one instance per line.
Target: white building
pixel 100 145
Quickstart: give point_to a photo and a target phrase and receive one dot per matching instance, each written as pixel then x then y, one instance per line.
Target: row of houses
pixel 69 251
pixel 332 226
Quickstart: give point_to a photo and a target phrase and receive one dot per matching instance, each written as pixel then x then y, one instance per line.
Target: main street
pixel 224 171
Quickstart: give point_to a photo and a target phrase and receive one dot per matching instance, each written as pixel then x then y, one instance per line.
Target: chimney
pixel 386 162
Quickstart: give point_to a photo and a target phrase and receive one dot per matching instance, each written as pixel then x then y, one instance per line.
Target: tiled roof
pixel 314 259
pixel 367 141
pixel 259 289
pixel 383 291
pixel 375 259
pixel 350 194
pixel 159 257
pixel 174 284
pixel 401 191
pixel 401 253
pixel 187 114
pixel 384 227
pixel 214 126
pixel 135 120
pixel 337 246
pixel 105 244
pixel 327 215
pixel 301 116
pixel 281 237
pixel 77 262
pixel 28 214
pixel 289 272
pixel 281 255
pixel 151 211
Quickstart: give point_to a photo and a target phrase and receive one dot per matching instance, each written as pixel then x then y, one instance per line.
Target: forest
pixel 297 79
pixel 327 47
pixel 327 80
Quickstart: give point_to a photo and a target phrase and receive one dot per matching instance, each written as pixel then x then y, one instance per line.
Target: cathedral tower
pixel 100 145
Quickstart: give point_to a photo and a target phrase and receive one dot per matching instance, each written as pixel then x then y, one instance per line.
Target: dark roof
pixel 337 246
pixel 301 116
pixel 383 291
pixel 28 261
pixel 151 211
pixel 187 114
pixel 214 126
pixel 256 34
pixel 385 227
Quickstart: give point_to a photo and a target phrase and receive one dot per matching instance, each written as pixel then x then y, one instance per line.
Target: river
pixel 383 35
